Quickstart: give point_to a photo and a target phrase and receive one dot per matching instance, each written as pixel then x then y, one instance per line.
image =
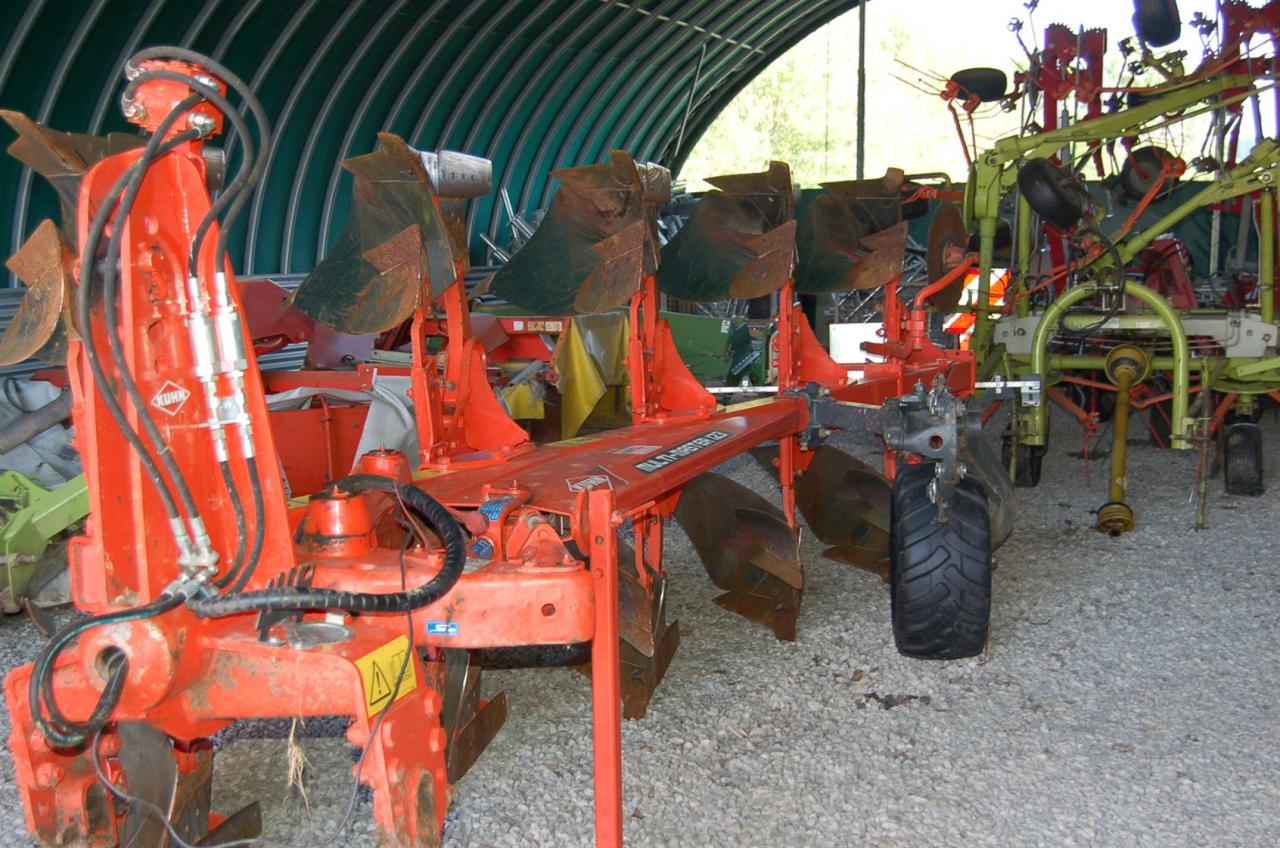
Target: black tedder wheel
pixel 1139 172
pixel 1030 458
pixel 1157 22
pixel 1052 192
pixel 988 84
pixel 939 570
pixel 1242 458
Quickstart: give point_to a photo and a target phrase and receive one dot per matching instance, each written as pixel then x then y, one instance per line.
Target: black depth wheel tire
pixel 1030 458
pixel 940 571
pixel 1157 22
pixel 1242 459
pixel 988 84
pixel 1052 192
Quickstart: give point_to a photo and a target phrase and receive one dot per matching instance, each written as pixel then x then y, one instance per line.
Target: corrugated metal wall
pixel 532 85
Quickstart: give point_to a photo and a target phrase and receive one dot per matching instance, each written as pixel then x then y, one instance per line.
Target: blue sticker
pixel 492 509
pixel 442 628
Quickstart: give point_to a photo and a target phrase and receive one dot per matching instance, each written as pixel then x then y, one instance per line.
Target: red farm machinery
pixel 211 595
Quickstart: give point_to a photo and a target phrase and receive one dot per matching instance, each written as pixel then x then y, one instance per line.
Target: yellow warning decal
pixel 378 670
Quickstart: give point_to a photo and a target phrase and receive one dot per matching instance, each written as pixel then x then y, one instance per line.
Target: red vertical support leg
pixel 405 766
pixel 606 671
pixel 654 530
pixel 787 449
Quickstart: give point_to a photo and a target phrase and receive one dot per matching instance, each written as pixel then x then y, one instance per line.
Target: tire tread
pixel 940 580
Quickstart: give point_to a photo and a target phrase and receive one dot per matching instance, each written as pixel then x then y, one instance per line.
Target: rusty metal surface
pixel 62 158
pixel 947 235
pixel 871 554
pixel 152 774
pixel 739 242
pixel 244 823
pixel 852 236
pixel 469 742
pixel 843 499
pixel 596 243
pixel 37 329
pixel 468 722
pixel 397 248
pixel 639 609
pixel 647 641
pixel 772 604
pixel 881 263
pixel 747 548
pixel 641 675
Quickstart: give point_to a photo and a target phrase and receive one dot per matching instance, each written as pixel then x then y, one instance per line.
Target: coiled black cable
pixel 428 509
pixel 125 376
pixel 57 727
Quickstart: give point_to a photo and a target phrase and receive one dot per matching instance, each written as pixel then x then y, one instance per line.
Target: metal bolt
pixel 202 123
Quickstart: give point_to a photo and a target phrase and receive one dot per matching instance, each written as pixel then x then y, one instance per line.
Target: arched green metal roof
pixel 532 85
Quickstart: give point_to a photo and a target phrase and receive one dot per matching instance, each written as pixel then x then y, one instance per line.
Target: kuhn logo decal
pixel 599 478
pixel 170 398
pixel 681 451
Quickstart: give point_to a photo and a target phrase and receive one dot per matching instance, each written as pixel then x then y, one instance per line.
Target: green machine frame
pixel 994 175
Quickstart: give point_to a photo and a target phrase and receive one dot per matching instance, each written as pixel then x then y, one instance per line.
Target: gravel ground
pixel 1127 700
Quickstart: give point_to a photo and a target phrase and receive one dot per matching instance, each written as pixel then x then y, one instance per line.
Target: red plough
pixel 213 599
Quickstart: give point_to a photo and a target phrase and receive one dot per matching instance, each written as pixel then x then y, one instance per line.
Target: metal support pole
pixel 1115 517
pixel 861 158
pixel 606 670
pixel 983 326
pixel 1267 257
pixel 688 107
pixel 1024 254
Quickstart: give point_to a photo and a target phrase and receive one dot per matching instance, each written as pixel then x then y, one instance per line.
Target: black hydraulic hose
pixel 203 92
pixel 237 508
pixel 57 728
pixel 87 259
pixel 116 346
pixel 236 195
pixel 428 510
pixel 259 524
pixel 246 93
pixel 243 177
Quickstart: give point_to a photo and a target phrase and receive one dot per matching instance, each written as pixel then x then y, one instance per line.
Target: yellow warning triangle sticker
pixel 380 688
pixel 378 670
